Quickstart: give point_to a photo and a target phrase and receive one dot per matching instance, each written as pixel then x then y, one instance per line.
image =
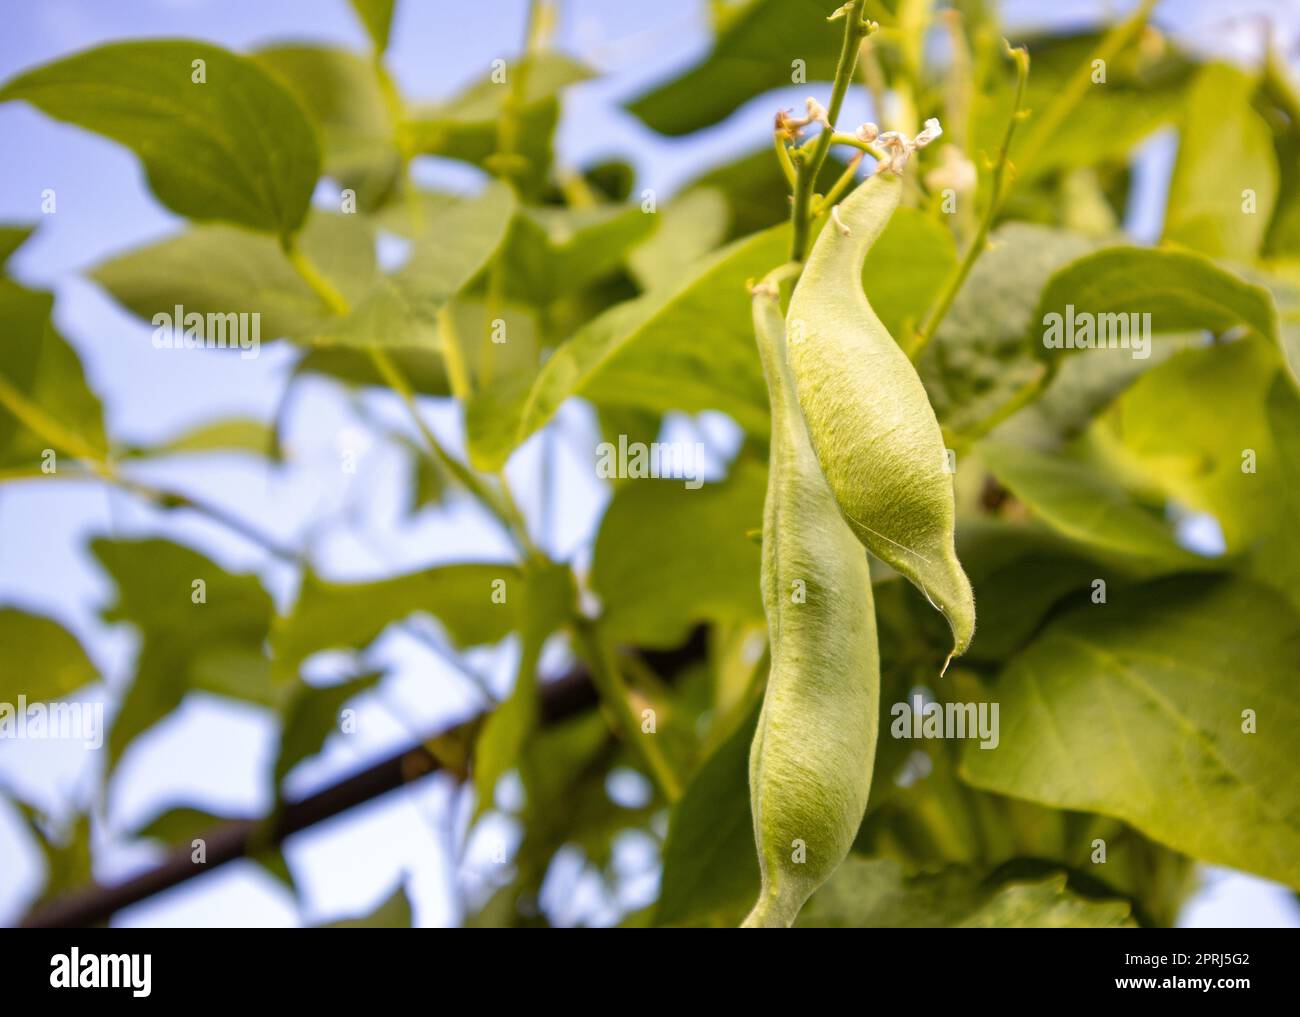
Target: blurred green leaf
pixel 905 269
pixel 42 659
pixel 181 622
pixel 702 566
pixel 41 377
pixel 1223 455
pixel 689 228
pixel 465 127
pixel 12 238
pixel 310 715
pixel 550 601
pixel 223 435
pixel 1225 160
pixel 377 16
pixel 759 47
pixel 235 145
pixel 466 599
pixel 393 913
pixel 218 269
pixel 353 105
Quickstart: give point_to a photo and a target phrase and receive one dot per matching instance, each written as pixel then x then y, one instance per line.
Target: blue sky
pixel 216 754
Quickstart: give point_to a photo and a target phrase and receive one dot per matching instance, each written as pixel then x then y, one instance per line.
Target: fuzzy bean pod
pixel 868 414
pixel 812 756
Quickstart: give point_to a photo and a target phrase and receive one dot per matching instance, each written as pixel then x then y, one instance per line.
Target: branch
pixel 447 750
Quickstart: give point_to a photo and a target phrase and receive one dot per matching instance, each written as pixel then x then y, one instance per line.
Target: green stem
pixel 613 693
pixel 980 241
pixel 855 30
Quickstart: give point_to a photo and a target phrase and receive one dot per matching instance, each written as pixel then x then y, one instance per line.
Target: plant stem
pixel 978 243
pixel 808 168
pixel 614 694
pixel 1069 97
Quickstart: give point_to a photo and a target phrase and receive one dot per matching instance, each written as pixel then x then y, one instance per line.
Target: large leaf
pixel 554 251
pixel 710 862
pixel 41 379
pixel 1180 290
pixel 703 565
pixel 466 126
pixel 875 893
pixel 331 615
pixel 400 310
pixel 755 51
pixel 215 269
pixel 42 660
pixel 687 347
pixel 1224 456
pixel 1226 178
pixel 690 226
pixel 1085 504
pixel 206 636
pixel 1136 709
pixel 235 146
pixel 905 268
pixel 353 105
pixel 11 238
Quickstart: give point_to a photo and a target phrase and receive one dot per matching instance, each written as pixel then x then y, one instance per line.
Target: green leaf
pixel 550 599
pixel 905 268
pixel 400 310
pixel 702 566
pixel 41 377
pixel 181 624
pixel 555 251
pixel 1223 457
pixel 235 146
pixel 1086 505
pixel 332 615
pixel 1136 709
pixel 980 357
pixel 710 864
pixel 754 51
pixel 353 104
pixel 218 269
pixel 465 127
pixel 393 913
pixel 179 825
pixel 310 716
pixel 1180 290
pixel 687 347
pixel 377 16
pixel 66 851
pixel 222 436
pixel 689 228
pixel 875 893
pixel 1225 151
pixel 42 659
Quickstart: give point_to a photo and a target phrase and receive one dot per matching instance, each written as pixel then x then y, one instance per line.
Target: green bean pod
pixel 812 755
pixel 868 414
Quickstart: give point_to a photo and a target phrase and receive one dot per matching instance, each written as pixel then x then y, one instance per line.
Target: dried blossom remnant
pixel 898 146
